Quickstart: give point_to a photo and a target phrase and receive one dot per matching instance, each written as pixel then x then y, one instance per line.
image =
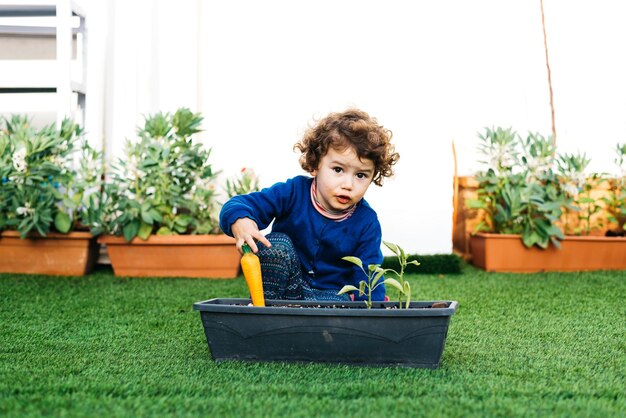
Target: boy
pixel 321 218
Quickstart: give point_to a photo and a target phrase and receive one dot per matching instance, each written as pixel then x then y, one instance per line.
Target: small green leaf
pixel 376 277
pixel 179 229
pixel 393 247
pixel 164 231
pixel 394 283
pixel 347 288
pixel 543 242
pixel 146 217
pixel 556 231
pixel 373 267
pixel 182 220
pixel 354 260
pixel 130 230
pixel 62 222
pixel 145 230
pixel 149 162
pixel 362 286
pixel 76 199
pixel 407 292
pixel 155 215
pixel 529 238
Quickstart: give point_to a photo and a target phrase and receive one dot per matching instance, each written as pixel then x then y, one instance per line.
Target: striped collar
pixel 335 215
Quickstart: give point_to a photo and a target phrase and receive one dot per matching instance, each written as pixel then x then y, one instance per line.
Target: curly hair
pixel 351 128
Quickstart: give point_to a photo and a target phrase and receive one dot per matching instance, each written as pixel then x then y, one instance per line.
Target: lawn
pixel 520 345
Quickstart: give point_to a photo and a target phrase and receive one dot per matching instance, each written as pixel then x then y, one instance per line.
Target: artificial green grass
pixel 520 345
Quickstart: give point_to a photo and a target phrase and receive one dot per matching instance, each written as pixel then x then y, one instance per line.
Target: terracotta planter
pixel 465 219
pixel 72 254
pixel 210 256
pixel 507 253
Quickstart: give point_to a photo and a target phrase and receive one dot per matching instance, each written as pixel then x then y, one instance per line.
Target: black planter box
pixel 332 332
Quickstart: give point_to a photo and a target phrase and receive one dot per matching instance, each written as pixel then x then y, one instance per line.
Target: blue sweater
pixel 320 242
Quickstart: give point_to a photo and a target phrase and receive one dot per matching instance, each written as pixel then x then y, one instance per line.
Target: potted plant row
pixel 160 198
pixel 539 210
pixel 155 211
pixel 399 333
pixel 47 200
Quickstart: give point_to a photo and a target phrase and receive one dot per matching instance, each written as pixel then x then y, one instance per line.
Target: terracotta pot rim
pixel 169 239
pixel 566 238
pixel 50 235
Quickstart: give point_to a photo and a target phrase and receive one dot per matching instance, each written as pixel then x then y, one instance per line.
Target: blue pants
pixel 282 273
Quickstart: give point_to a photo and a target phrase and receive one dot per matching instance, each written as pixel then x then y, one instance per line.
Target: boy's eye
pixel 337 169
pixel 361 175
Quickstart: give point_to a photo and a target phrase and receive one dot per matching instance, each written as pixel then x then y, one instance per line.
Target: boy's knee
pixel 281 244
pixel 280 239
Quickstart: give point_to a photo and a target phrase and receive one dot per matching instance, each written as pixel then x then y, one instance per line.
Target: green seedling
pixel 402 260
pixel 375 277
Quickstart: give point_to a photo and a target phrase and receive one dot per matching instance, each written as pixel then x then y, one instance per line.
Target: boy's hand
pixel 246 230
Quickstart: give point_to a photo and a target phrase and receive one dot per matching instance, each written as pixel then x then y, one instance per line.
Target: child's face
pixel 342 178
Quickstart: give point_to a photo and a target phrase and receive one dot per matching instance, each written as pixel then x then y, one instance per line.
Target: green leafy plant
pixel 527 190
pixel 246 182
pixel 45 188
pixel 519 192
pixel 374 275
pixel 164 184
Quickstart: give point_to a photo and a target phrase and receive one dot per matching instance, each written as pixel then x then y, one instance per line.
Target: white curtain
pixel 151 64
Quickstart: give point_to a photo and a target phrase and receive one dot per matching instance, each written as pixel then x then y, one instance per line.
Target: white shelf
pixel 23 103
pixel 62 79
pixel 37 74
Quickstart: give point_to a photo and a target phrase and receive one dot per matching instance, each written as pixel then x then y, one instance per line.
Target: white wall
pixel 431 71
